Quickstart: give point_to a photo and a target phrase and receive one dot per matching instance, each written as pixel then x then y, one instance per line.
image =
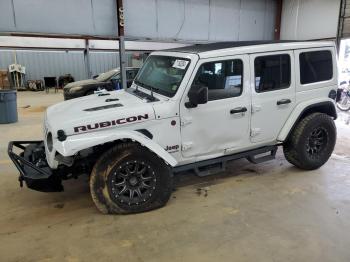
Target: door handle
pixel 284 101
pixel 238 110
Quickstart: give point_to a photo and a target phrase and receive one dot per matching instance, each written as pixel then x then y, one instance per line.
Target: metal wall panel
pixel 78 17
pixel 187 20
pixel 200 20
pixel 46 63
pixel 309 19
pixel 103 61
pixel 40 63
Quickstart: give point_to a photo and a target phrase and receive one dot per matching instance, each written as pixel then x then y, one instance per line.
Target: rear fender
pixel 75 143
pixel 302 109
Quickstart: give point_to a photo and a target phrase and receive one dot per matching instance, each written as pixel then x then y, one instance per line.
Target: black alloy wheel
pixel 132 183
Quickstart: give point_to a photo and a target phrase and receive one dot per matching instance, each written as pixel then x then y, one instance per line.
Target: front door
pixel 273 93
pixel 220 126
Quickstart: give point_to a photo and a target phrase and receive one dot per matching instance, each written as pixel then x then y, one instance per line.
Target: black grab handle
pixel 283 102
pixel 238 110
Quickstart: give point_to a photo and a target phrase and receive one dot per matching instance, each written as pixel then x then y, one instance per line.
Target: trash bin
pixel 8 106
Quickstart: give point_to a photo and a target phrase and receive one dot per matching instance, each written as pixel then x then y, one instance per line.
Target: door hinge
pixel 186 146
pixel 256 108
pixel 186 121
pixel 255 132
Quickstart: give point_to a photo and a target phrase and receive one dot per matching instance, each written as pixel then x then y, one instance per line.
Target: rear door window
pixel 315 66
pixel 272 72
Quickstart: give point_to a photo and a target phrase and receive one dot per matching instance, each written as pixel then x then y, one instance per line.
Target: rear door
pixel 273 93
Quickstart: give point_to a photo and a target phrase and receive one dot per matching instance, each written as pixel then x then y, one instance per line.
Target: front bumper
pixel 32 166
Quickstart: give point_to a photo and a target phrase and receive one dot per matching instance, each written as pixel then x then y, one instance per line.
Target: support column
pixel 87 59
pixel 122 59
pixel 122 56
pixel 278 19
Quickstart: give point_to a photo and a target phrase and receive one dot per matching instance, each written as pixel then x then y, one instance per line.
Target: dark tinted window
pixel 315 66
pixel 224 79
pixel 130 74
pixel 272 72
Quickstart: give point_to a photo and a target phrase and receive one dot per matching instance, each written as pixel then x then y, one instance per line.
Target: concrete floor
pixel 266 212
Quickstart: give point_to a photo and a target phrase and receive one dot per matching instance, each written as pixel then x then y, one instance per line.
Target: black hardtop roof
pixel 200 48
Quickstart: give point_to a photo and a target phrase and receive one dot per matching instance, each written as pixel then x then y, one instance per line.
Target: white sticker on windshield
pixel 180 64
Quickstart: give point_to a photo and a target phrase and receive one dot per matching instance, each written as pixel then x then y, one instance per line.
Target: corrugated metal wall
pixel 80 17
pixel 309 19
pixel 40 63
pixel 190 20
pixel 201 20
pixel 46 63
pixel 103 61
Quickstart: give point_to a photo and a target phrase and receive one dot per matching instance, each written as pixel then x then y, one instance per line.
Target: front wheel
pixel 344 102
pixel 130 179
pixel 312 141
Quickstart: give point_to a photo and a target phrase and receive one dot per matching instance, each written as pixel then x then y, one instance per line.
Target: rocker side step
pixel 217 165
pixel 262 157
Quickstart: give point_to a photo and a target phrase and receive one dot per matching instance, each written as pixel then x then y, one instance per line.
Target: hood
pixel 82 83
pixel 98 111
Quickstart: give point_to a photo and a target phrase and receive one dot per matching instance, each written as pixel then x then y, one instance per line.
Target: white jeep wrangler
pixel 191 108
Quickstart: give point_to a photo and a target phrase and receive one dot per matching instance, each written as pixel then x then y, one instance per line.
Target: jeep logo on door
pixel 104 124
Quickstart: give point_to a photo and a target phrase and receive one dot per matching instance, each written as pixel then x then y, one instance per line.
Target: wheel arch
pixel 303 110
pixel 77 143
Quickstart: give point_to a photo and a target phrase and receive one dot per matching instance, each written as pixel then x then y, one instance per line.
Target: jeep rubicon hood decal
pixel 104 124
pixel 75 116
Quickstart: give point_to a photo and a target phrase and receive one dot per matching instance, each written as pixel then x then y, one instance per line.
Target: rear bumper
pixel 30 160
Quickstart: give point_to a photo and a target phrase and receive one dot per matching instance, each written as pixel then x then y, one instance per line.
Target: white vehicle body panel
pixel 268 117
pixel 183 135
pixel 210 129
pixel 76 143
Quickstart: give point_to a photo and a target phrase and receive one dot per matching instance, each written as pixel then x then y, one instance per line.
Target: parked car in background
pixel 109 80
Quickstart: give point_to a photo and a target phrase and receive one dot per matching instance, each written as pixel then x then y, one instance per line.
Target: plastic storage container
pixel 8 106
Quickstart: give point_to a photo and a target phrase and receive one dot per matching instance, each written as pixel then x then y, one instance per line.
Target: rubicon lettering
pixel 104 124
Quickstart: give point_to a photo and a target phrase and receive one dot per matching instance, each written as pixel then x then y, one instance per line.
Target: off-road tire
pixel 103 180
pixel 297 148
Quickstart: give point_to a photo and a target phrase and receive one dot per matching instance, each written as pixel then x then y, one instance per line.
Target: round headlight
pixel 49 141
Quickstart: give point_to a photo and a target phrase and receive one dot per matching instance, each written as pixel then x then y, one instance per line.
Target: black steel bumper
pixel 31 163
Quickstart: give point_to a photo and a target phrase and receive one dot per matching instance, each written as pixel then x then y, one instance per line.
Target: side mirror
pixel 197 95
pixel 95 76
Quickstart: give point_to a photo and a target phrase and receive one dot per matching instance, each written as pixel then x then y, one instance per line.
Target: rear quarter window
pixel 315 66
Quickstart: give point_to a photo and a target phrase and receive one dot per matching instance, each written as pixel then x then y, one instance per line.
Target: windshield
pixel 107 75
pixel 163 74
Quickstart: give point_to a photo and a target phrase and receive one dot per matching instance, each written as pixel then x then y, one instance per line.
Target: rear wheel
pixel 130 179
pixel 312 142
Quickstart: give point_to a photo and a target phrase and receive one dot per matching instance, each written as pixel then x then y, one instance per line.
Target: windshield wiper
pixel 151 88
